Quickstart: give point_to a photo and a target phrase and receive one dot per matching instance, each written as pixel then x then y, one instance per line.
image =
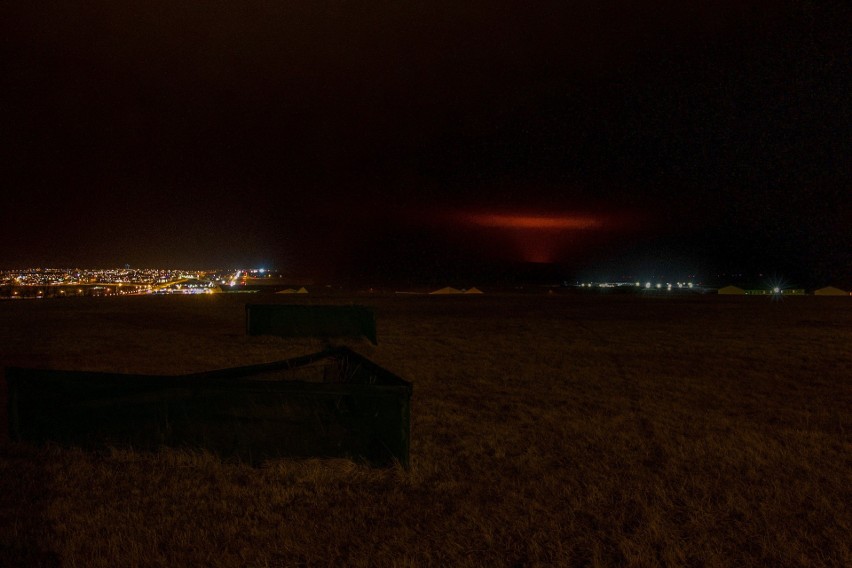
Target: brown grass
pixel 701 431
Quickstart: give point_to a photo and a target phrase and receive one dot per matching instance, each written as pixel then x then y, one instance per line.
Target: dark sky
pixel 410 137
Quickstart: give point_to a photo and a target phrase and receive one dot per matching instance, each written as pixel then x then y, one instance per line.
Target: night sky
pixel 401 139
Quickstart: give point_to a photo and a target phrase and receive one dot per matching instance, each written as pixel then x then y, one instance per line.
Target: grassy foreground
pixel 577 430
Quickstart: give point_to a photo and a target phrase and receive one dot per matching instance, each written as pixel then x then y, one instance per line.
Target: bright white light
pixel 262 270
pixel 659 286
pixel 638 284
pixel 776 290
pixel 690 284
pixel 647 284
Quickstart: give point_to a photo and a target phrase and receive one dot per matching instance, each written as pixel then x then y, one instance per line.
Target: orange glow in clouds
pixel 537 238
pixel 534 221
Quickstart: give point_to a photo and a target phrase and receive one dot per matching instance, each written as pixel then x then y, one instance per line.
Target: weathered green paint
pixel 335 404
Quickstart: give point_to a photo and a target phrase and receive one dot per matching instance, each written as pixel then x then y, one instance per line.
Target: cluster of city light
pixel 65 282
pixel 668 285
pixel 647 285
pixel 234 280
pixel 112 276
pixel 182 287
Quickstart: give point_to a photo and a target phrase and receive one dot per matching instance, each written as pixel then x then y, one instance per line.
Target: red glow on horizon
pixel 540 238
pixel 534 222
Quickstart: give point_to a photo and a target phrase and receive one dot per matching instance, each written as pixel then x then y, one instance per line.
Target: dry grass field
pixel 546 431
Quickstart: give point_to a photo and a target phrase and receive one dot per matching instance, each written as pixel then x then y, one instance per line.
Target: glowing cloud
pixel 533 222
pixel 534 237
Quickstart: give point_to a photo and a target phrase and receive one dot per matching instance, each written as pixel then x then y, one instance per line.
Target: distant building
pixel 731 290
pixel 301 290
pixel 830 291
pixel 447 290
